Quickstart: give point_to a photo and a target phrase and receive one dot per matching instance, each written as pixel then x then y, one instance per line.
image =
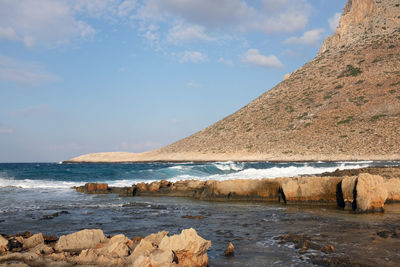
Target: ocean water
pixel 37 197
pixel 57 175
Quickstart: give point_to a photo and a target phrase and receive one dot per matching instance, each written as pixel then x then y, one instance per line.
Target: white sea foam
pixel 28 183
pixel 229 166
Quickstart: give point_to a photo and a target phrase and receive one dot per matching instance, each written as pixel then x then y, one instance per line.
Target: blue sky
pixel 112 75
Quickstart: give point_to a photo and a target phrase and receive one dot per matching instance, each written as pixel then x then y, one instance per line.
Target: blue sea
pixel 37 197
pixel 59 175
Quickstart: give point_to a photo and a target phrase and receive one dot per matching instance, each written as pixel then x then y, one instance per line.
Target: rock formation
pixel 362 192
pixel 91 247
pixel 342 105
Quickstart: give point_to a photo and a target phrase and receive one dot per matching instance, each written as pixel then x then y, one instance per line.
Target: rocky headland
pixel 342 105
pixel 90 247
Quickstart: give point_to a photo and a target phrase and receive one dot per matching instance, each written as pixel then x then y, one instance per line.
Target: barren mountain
pixel 344 104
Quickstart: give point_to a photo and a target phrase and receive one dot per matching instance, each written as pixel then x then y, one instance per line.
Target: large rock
pixel 370 193
pixel 155 239
pixel 81 240
pixel 189 248
pixel 392 186
pixel 33 241
pixel 312 189
pixel 3 244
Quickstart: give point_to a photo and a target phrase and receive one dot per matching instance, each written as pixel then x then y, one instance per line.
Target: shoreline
pixel 154 156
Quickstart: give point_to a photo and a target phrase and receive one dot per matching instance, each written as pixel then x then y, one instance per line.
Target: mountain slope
pixel 344 104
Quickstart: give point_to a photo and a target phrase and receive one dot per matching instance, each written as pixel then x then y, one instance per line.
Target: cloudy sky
pixel 80 76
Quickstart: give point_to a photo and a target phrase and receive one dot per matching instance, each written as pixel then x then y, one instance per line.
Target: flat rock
pixel 81 240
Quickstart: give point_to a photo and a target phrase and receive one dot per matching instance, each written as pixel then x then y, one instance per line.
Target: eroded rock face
pixel 189 248
pixel 81 240
pixel 362 19
pixel 392 186
pixel 370 193
pixel 313 189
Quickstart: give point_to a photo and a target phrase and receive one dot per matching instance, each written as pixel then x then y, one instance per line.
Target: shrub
pixel 377 117
pixel 350 71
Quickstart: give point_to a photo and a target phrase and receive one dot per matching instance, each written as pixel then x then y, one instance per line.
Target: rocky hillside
pixel 343 104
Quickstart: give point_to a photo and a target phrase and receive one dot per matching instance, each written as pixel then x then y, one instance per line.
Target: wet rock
pixel 192 217
pixel 15 245
pixel 344 261
pixel 308 244
pixel 230 250
pixel 370 193
pixel 25 234
pixel 81 240
pixel 93 188
pixel 388 233
pixel 328 249
pixel 189 248
pixel 33 241
pixel 49 239
pixel 153 187
pixel 54 215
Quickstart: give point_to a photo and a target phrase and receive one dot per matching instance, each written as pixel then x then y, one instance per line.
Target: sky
pixel 84 76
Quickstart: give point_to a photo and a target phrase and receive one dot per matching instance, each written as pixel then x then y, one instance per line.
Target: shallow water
pixel 44 190
pixel 250 226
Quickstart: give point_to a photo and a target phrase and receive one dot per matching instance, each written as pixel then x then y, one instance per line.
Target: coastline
pixel 154 156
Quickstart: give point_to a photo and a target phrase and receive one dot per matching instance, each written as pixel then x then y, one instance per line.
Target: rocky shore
pixel 360 191
pixel 92 247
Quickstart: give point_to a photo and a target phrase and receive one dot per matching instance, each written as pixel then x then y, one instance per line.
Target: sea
pixel 37 197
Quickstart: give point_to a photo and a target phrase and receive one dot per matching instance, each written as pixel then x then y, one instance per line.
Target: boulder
pixel 81 240
pixel 310 189
pixel 154 187
pixel 118 246
pixel 392 186
pixel 230 250
pixel 155 239
pixel 3 244
pixel 143 248
pixel 189 248
pixel 33 241
pixel 370 193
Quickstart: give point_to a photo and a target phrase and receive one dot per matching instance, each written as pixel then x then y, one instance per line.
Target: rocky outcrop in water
pixel 91 247
pixel 362 192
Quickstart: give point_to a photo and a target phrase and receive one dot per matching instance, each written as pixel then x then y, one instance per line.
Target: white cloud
pixel 273 16
pixel 24 73
pixel 193 84
pixel 225 61
pixel 192 56
pixel 41 110
pixel 152 36
pixel 181 33
pixel 334 21
pixel 253 57
pixel 8 33
pixel 5 130
pixel 311 37
pixel 47 22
